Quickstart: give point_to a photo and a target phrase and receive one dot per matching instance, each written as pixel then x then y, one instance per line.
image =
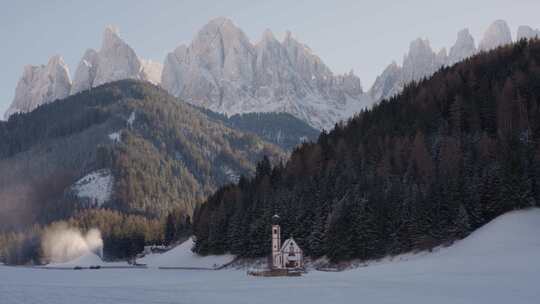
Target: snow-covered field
pixel 87 260
pixel 499 263
pixel 182 256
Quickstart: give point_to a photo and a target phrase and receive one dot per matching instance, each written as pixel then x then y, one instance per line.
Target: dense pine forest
pixel 419 170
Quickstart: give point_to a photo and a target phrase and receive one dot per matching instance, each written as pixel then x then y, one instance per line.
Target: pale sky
pixel 361 35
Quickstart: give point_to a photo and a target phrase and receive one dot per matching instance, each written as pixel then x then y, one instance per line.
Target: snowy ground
pixel 87 260
pixel 182 256
pixel 497 264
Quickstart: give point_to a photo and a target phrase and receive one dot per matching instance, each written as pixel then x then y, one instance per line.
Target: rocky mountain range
pixel 422 61
pixel 222 70
pixel 115 60
pixel 527 32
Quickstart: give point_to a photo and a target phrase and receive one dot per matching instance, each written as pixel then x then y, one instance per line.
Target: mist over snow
pixel 61 243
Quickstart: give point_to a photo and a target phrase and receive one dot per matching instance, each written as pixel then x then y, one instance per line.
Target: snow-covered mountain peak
pixel 497 34
pixel 41 84
pixel 463 48
pixel 527 32
pixel 111 30
pixel 111 33
pixel 268 36
pixel 420 60
pixel 221 44
pixel 111 39
pixel 223 71
pixel 393 65
pixel 115 60
pixel 419 47
pixel 220 22
pixel 419 44
pixel 86 72
pixel 219 30
pixel 388 83
pixel 464 37
pixel 56 60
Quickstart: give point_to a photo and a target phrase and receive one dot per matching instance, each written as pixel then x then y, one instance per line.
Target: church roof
pixel 288 242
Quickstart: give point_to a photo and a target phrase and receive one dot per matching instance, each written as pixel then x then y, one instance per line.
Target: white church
pixel 287 255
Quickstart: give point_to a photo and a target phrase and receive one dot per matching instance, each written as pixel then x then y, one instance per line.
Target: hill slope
pixel 127 145
pixel 421 169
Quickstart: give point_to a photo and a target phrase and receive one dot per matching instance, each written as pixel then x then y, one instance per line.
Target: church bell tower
pixel 277 262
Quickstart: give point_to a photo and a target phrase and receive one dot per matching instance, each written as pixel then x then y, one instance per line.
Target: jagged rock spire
pixel 39 85
pixel 463 48
pixel 497 34
pixel 115 60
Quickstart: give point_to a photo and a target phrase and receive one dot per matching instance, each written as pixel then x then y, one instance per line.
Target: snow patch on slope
pixel 232 175
pixel 505 234
pixel 115 137
pixel 131 119
pixel 96 186
pixel 182 256
pixel 496 244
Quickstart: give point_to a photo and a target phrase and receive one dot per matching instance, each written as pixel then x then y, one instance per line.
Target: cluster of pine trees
pixel 421 169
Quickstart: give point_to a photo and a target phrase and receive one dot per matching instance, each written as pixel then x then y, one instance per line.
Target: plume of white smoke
pixel 61 243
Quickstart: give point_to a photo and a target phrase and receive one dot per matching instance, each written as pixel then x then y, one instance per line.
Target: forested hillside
pixel 419 170
pixel 152 152
pixel 282 129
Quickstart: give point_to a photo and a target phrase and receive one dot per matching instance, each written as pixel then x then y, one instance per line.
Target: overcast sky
pixel 361 35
